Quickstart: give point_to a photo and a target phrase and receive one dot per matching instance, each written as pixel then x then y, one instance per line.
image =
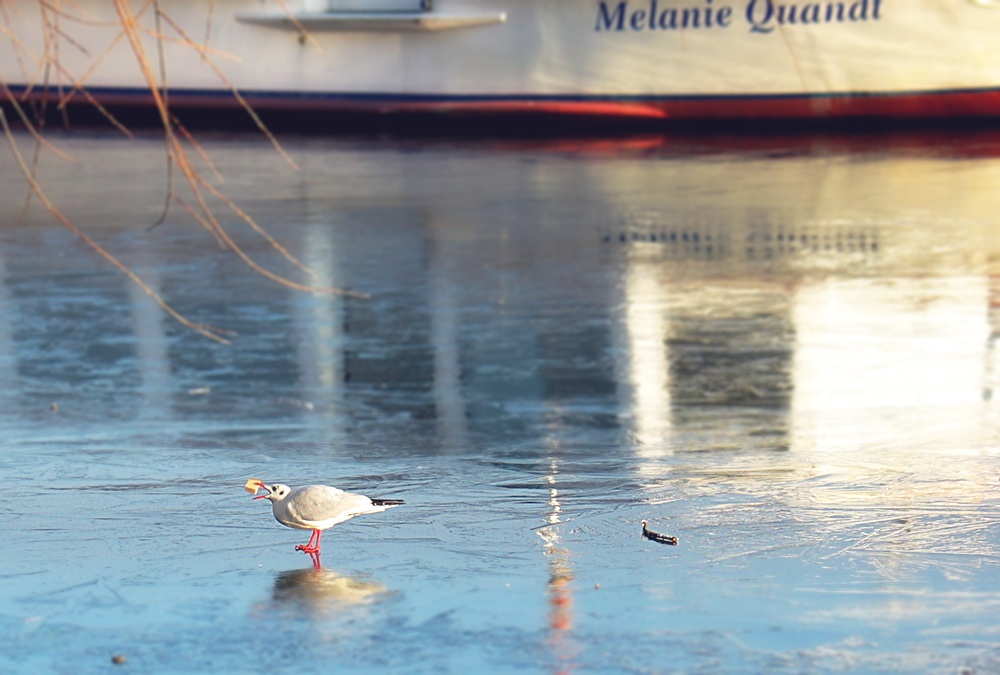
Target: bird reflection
pixel 319 591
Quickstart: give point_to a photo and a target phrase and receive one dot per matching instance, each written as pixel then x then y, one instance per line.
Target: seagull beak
pixel 264 496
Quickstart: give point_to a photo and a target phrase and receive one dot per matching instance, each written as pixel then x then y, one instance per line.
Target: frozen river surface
pixel 783 352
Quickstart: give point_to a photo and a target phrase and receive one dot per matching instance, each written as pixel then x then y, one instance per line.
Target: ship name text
pixel 759 16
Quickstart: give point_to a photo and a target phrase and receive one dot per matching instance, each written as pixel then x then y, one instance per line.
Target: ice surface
pixel 785 355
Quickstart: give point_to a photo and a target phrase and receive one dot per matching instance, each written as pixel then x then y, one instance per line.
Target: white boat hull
pixel 701 59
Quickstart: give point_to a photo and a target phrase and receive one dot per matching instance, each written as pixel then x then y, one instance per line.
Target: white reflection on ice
pixel 889 388
pixel 880 361
pixel 8 361
pixel 321 318
pixel 448 400
pixel 991 388
pixel 151 342
pixel 645 376
pixel 890 404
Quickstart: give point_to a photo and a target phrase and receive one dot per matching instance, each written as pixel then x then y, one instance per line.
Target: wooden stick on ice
pixel 656 536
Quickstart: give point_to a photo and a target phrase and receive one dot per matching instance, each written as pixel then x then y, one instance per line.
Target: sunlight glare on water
pixel 782 351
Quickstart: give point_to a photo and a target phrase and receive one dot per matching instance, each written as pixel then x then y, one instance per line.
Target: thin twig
pixel 163 83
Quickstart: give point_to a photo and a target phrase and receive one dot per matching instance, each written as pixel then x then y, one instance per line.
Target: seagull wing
pixel 324 505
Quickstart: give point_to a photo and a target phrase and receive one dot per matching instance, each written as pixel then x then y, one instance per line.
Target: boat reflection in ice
pixel 560 585
pixel 794 343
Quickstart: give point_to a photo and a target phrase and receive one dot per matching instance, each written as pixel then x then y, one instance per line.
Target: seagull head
pixel 275 492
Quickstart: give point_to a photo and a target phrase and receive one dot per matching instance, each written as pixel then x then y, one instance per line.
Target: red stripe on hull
pixel 927 106
pixel 906 106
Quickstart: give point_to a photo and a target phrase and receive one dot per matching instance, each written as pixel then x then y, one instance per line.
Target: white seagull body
pixel 318 508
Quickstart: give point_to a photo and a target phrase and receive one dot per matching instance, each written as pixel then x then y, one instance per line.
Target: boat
pixel 691 60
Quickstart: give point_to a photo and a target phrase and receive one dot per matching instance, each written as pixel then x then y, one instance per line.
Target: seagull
pixel 318 508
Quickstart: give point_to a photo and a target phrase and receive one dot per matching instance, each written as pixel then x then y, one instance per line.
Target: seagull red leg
pixel 308 547
pixel 305 548
pixel 313 545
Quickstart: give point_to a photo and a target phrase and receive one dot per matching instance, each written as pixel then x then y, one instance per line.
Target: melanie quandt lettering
pixel 759 16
